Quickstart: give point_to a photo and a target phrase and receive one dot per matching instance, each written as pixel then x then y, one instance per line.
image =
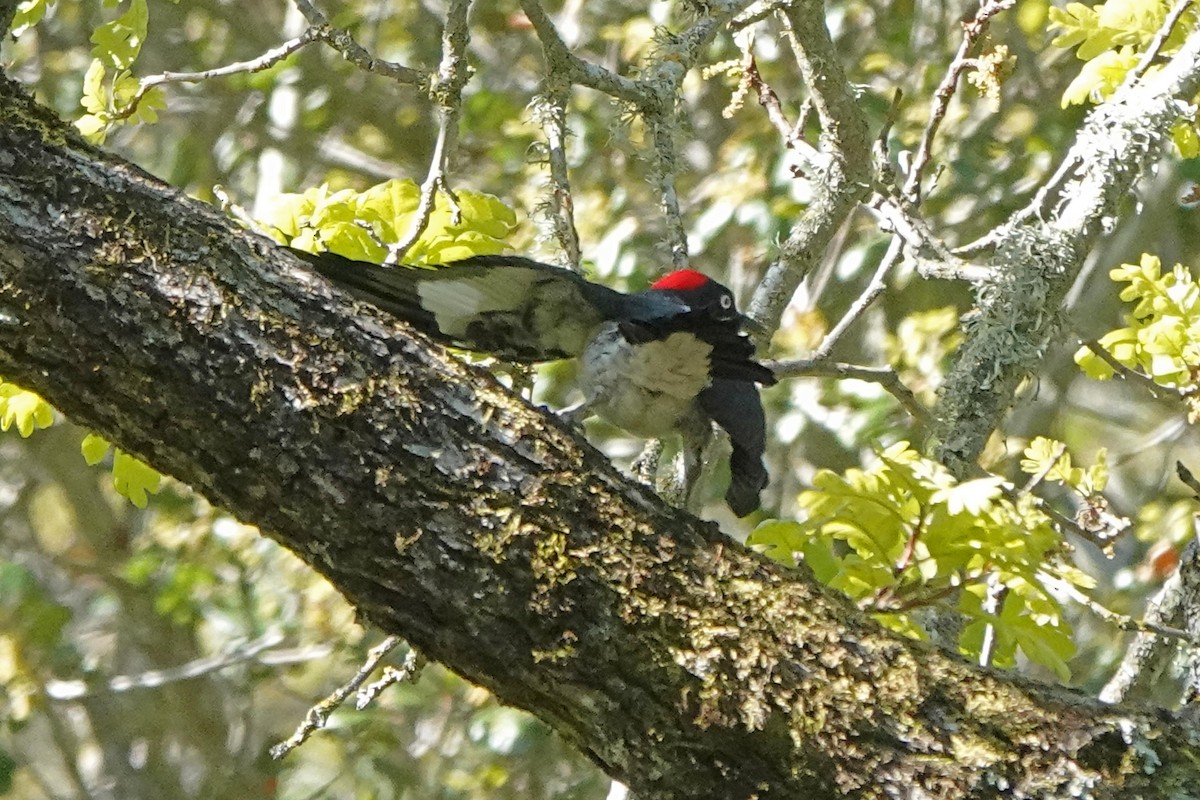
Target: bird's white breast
pixel 646 388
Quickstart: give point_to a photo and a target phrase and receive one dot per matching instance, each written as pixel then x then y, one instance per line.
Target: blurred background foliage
pixel 94 590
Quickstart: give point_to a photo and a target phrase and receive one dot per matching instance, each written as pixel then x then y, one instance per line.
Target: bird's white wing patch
pixel 455 302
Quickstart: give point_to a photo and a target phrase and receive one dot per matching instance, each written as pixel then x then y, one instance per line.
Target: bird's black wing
pixel 735 405
pixel 733 355
pixel 511 307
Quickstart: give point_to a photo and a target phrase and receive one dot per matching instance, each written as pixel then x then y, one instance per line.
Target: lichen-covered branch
pixel 1017 307
pixel 550 111
pixel 1165 608
pixel 845 138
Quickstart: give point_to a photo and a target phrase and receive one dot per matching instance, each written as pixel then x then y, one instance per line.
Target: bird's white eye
pixel 726 302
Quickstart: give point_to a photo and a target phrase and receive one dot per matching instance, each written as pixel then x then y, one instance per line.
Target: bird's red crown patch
pixel 681 280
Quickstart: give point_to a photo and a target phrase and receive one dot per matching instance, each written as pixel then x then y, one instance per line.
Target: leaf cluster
pixel 28 411
pixel 1112 38
pixel 363 225
pixel 109 86
pixel 1161 337
pixel 904 534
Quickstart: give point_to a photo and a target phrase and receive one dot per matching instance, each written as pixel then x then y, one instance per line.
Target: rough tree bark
pixel 490 536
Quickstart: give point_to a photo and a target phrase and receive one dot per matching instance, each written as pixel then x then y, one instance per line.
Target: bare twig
pixel 972 31
pixel 267 59
pixel 870 294
pixel 355 53
pixel 319 30
pixel 792 134
pixel 258 650
pixel 930 254
pixel 1160 38
pixel 1131 375
pixel 410 670
pixel 446 91
pixel 884 376
pixel 1189 480
pixel 1121 621
pixel 318 715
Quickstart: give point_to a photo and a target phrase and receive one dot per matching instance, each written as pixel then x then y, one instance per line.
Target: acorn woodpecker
pixel 667 359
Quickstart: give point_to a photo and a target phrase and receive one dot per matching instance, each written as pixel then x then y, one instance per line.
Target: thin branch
pixel 837 188
pixel 972 31
pixel 561 60
pixel 258 651
pixel 446 91
pixel 663 79
pixel 410 670
pixel 1189 480
pixel 662 126
pixel 1131 375
pixel 884 376
pixel 319 30
pixel 792 134
pixel 266 60
pixel 318 715
pixel 1121 621
pixel 929 253
pixel 1160 39
pixel 875 288
pixel 550 111
pixel 355 53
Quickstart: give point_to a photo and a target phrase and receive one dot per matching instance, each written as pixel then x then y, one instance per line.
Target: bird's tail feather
pixel 391 288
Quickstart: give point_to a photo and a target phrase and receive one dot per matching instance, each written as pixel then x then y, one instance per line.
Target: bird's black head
pixel 699 293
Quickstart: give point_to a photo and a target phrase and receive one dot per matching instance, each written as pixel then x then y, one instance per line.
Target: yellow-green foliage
pixel 905 534
pixel 1161 337
pixel 920 348
pixel 131 478
pixel 24 409
pixel 1111 39
pixel 1050 461
pixel 361 225
pixel 27 411
pixel 31 621
pixel 106 96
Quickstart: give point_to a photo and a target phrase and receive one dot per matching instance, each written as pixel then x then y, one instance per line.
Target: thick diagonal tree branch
pixel 487 534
